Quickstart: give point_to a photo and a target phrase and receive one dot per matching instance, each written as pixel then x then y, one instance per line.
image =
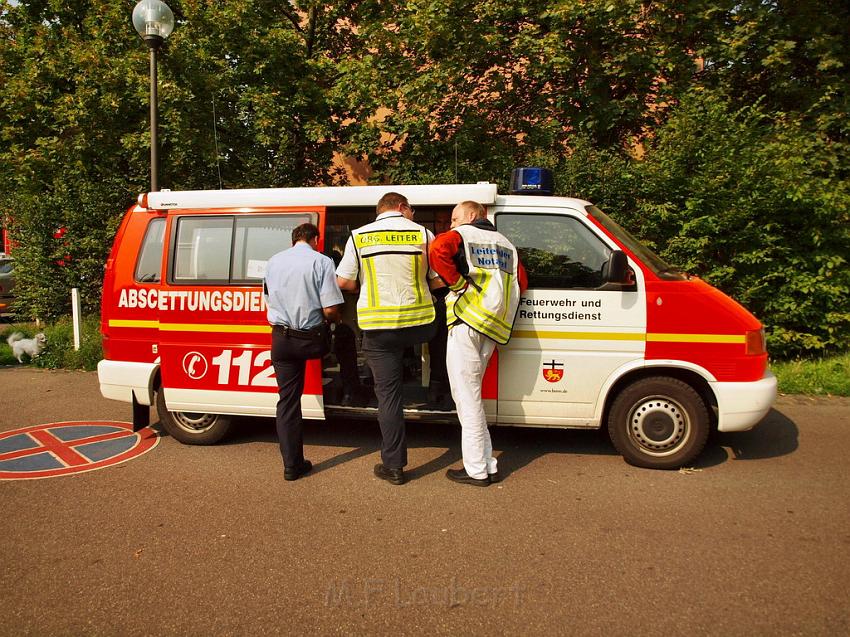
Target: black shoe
pixel 494 477
pixel 440 403
pixel 363 396
pixel 393 476
pixel 293 473
pixel 460 475
pixel 359 396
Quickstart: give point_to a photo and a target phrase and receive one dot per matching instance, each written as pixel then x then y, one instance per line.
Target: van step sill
pixel 371 413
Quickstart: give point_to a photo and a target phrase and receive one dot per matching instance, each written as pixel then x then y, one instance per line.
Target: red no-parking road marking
pixel 65 452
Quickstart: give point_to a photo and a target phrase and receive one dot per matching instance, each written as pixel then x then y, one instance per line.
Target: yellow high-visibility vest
pixel 393 257
pixel 488 298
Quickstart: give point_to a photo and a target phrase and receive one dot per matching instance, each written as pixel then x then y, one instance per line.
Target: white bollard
pixel 75 314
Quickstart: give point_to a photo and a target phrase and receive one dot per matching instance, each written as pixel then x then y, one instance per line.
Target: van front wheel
pixel 192 428
pixel 658 423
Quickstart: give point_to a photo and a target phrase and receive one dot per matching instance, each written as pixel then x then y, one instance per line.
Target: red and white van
pixel 606 335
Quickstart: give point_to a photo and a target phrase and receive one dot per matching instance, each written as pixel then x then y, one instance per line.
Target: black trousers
pixel 437 348
pixel 345 348
pixel 384 351
pixel 289 358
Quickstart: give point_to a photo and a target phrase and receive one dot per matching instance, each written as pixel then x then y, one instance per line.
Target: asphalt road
pixel 212 541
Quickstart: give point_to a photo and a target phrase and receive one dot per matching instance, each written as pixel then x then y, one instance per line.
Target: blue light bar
pixel 532 181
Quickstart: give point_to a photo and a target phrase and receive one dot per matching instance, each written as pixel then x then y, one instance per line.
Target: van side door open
pixel 573 328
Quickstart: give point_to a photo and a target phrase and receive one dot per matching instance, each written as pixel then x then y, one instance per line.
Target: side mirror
pixel 616 270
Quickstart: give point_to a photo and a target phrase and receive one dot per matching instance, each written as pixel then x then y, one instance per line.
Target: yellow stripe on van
pixel 581 336
pixel 206 327
pixel 696 338
pixel 193 327
pixel 131 323
pixel 632 336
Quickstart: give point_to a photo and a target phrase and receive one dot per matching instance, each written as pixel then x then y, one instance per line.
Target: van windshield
pixel 655 263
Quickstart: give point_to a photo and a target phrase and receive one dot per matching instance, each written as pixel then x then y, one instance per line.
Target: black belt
pixel 291 331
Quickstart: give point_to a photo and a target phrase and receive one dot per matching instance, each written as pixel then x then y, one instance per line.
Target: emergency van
pixel 607 335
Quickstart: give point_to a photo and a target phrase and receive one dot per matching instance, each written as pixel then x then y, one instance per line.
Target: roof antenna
pixel 456 159
pixel 215 136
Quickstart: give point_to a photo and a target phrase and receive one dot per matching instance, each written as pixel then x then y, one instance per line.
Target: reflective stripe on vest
pixel 394 265
pixel 490 300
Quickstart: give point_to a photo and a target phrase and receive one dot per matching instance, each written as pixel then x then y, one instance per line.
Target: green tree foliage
pixel 496 83
pixel 791 56
pixel 717 130
pixel 751 204
pixel 74 140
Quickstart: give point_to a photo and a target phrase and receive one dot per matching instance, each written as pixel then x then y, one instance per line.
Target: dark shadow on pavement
pixel 520 446
pixel 776 435
pixel 515 448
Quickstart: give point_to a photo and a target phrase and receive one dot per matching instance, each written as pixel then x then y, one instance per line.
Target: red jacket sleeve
pixel 441 256
pixel 523 278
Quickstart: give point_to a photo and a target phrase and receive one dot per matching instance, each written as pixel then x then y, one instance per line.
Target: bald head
pixel 467 212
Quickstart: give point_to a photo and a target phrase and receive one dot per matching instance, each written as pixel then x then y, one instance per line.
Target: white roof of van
pixel 451 194
pixel 356 196
pixel 531 201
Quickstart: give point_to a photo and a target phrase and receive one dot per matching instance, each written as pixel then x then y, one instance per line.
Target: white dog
pixel 29 346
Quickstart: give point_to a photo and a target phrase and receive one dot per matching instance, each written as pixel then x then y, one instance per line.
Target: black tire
pixel 658 423
pixel 192 428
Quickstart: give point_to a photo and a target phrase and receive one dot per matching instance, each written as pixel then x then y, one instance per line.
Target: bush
pixel 753 203
pixel 59 352
pixel 759 209
pixel 49 263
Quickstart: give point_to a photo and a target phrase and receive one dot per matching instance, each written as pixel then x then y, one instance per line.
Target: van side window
pixel 149 265
pixel 557 251
pixel 257 240
pixel 230 248
pixel 203 249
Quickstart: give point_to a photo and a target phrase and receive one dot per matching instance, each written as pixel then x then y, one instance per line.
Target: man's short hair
pixel 305 232
pixel 474 207
pixel 391 201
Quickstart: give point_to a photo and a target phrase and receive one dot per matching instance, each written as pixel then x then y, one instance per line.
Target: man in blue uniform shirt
pixel 302 296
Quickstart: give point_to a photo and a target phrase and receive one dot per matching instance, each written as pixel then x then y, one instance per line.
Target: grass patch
pixel 826 376
pixel 59 352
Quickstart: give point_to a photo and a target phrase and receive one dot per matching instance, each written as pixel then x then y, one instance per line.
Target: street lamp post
pixel 154 21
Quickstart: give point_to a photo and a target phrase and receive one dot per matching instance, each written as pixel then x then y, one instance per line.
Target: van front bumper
pixel 121 380
pixel 741 406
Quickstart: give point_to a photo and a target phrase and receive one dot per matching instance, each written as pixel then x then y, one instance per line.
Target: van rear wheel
pixel 658 423
pixel 192 428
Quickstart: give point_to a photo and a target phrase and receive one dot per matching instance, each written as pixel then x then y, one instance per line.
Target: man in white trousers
pixel 483 272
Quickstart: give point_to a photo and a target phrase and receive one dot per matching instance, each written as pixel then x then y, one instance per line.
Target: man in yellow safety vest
pixel 388 261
